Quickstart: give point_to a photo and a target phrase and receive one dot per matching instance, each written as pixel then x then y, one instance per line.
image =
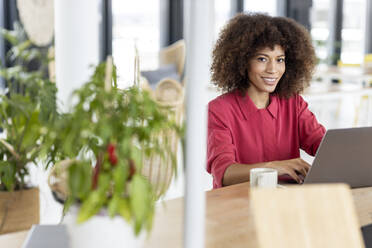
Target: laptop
pixel 344 156
pixel 367 235
pixel 46 236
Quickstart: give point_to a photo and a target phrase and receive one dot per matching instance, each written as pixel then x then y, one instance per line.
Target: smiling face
pixel 266 68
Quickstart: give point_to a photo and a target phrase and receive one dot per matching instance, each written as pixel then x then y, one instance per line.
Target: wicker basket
pixel 19 210
pixel 159 171
pixel 57 179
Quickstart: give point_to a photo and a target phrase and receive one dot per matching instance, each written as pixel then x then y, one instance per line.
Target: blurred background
pixel 153 33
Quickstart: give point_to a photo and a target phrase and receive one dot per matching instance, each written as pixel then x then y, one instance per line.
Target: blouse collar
pixel 248 107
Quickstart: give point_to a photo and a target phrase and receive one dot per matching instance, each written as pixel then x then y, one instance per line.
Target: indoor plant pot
pixel 26 106
pixel 100 231
pixel 19 210
pixel 107 135
pixel 117 232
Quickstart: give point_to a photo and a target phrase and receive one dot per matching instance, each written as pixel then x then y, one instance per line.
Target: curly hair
pixel 247 33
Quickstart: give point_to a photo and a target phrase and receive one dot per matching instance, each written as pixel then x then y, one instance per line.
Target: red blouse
pixel 240 133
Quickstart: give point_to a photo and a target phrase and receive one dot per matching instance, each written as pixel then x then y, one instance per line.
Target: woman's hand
pixel 239 173
pixel 292 167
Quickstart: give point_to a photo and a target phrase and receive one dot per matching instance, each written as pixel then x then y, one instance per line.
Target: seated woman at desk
pixel 261 63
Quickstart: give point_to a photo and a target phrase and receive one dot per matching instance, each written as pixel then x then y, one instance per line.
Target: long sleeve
pixel 310 131
pixel 221 151
pixel 239 133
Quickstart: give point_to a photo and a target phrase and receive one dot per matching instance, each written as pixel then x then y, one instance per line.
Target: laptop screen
pixel 367 235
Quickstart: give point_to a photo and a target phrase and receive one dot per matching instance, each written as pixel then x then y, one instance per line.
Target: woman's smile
pixel 270 80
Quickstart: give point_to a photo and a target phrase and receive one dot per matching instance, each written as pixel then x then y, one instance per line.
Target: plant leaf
pixel 120 175
pixel 91 206
pixel 113 205
pixel 140 197
pixel 7 175
pixel 124 209
pixel 80 174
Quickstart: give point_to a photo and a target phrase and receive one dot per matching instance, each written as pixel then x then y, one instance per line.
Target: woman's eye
pixel 261 59
pixel 281 60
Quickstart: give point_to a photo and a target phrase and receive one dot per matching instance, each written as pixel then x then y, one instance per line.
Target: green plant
pixel 321 45
pixel 108 134
pixel 27 104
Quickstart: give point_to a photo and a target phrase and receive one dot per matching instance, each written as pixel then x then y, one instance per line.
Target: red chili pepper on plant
pixel 96 171
pixel 112 154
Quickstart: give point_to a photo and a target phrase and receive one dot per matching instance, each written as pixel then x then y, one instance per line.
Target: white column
pixel 76 44
pixel 368 27
pixel 199 33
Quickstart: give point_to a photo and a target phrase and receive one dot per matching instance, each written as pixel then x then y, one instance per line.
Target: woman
pixel 262 63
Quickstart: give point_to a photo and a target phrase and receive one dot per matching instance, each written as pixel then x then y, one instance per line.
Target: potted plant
pixel 106 137
pixel 27 104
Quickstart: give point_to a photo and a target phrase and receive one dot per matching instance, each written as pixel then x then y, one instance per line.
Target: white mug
pixel 264 178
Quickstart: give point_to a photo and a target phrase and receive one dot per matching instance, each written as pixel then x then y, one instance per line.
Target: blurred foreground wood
pixel 306 216
pixel 229 220
pixel 230 223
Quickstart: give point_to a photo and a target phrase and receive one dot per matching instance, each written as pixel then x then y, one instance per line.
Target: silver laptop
pixel 344 155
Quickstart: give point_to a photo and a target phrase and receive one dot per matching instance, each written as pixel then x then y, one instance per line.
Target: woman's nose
pixel 271 67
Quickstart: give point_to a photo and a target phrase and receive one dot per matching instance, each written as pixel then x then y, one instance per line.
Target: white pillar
pixel 368 27
pixel 199 34
pixel 77 25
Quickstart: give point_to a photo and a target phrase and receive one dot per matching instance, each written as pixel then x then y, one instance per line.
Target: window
pixel 223 11
pixel 352 44
pixel 267 6
pixel 222 14
pixel 320 23
pixel 353 28
pixel 135 23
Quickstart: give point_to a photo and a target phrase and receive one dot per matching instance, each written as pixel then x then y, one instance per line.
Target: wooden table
pixel 228 220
